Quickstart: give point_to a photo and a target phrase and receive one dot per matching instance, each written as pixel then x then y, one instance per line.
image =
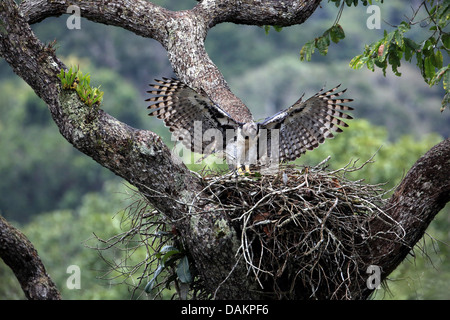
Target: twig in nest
pixel 300 229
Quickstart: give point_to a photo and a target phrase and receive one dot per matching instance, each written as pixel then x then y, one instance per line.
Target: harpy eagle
pixel 204 127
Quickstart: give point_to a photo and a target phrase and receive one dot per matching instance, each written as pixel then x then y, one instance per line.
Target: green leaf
pixel 398 37
pixel 428 45
pixel 446 40
pixel 337 3
pixel 322 44
pixel 438 59
pixel 370 63
pixel 444 73
pixel 410 47
pixel 394 61
pixel 411 44
pixel 183 271
pixel 277 28
pixel 429 68
pixel 167 252
pixel 382 65
pixel 307 50
pixel 446 79
pixel 350 2
pixel 420 62
pixel 355 63
pixel 61 75
pixel 167 248
pixel 148 288
pixel 337 33
pixel 403 27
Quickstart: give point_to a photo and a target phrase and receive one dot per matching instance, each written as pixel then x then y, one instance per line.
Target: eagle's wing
pixel 189 114
pixel 307 124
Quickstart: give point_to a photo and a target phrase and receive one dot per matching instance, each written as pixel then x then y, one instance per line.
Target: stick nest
pixel 301 233
pixel 300 229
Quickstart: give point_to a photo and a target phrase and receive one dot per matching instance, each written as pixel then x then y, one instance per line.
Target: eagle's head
pixel 249 129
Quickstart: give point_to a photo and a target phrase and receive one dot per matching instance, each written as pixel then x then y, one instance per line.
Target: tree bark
pixel 19 254
pixel 142 158
pixel 423 192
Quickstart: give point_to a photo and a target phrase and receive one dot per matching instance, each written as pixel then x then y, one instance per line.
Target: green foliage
pixel 75 80
pixel 388 50
pixel 394 47
pixel 176 262
pixel 335 33
pixel 69 79
pixel 276 28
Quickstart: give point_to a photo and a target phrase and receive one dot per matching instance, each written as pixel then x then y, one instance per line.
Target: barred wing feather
pixel 189 114
pixel 305 125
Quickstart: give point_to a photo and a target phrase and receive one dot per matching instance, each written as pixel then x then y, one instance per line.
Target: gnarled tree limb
pixel 19 254
pixel 182 33
pixel 423 192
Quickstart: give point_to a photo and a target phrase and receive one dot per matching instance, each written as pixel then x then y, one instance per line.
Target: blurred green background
pixel 59 197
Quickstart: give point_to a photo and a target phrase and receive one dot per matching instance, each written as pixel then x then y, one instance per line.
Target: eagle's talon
pixel 243 171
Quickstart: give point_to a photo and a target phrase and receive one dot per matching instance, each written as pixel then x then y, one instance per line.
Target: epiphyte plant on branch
pixel 73 79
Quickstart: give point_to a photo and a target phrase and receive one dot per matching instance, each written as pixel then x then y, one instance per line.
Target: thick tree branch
pixel 19 254
pixel 257 12
pixel 182 33
pixel 423 192
pixel 139 16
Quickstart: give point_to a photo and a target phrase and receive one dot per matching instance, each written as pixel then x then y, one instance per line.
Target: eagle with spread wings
pixel 206 128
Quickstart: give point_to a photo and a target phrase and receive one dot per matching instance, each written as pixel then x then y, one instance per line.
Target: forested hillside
pixel 59 197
